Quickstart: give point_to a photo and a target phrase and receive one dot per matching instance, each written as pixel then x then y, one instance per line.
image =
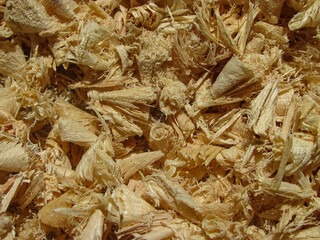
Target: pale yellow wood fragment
pixel 125 125
pixel 246 28
pixel 163 226
pixel 37 184
pixel 6 186
pixel 131 208
pixel 161 137
pixel 123 54
pixel 310 233
pixel 95 227
pixel 173 196
pixel 233 116
pixel 148 15
pixel 9 106
pixel 27 16
pixel 173 97
pixel 13 157
pixel 63 8
pixel 273 32
pixel 307 103
pixel 286 154
pixel 71 131
pixel 120 18
pixel 97 9
pixel 183 126
pixel 12 58
pixel 136 162
pixel 221 210
pixel 286 190
pixel 68 111
pixel 92 38
pixel 130 95
pixel 6 200
pixel 219 228
pixel 309 16
pixel 185 123
pixel 198 155
pixel 232 74
pixel 97 162
pixel 302 152
pixel 284 100
pixel 225 34
pixel 157 233
pixel 289 117
pixel 48 216
pixel 248 155
pixel 271 9
pixel 263 109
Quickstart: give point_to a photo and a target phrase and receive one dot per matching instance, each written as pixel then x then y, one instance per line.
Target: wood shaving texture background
pixel 174 119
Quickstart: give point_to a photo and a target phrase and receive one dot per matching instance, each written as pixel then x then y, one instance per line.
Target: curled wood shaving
pixel 309 17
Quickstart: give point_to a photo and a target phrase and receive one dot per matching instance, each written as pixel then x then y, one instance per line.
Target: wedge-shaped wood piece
pixel 131 207
pixel 232 74
pixel 48 216
pixel 123 119
pixel 263 109
pixel 246 27
pixel 66 110
pixel 95 227
pixel 9 104
pixel 97 163
pixel 6 200
pixel 12 58
pixel 37 183
pixel 75 132
pixel 286 190
pixel 225 34
pixel 172 196
pixel 13 157
pixel 174 228
pixel 136 162
pixel 199 155
pixel 301 152
pixel 27 16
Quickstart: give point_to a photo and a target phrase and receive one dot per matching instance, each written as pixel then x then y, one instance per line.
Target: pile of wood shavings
pixel 159 120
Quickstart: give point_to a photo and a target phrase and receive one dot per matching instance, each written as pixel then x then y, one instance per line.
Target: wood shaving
pixel 175 119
